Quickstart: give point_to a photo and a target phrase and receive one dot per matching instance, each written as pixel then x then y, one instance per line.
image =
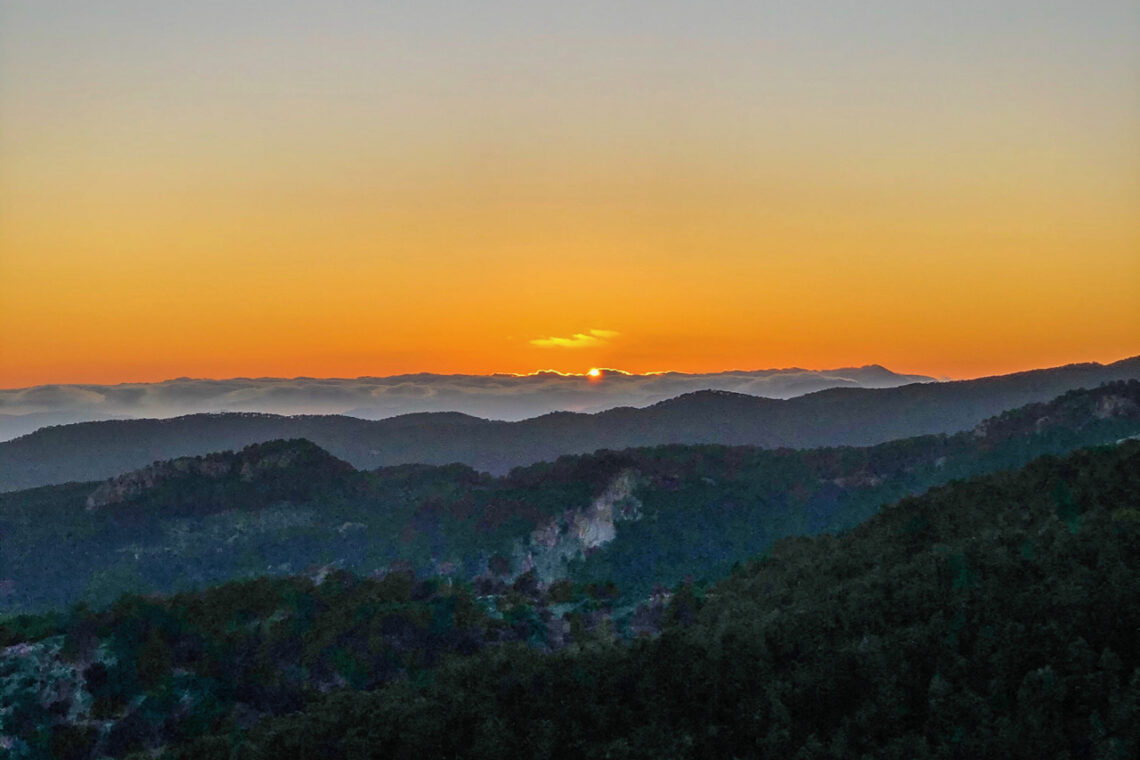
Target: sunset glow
pixel 457 190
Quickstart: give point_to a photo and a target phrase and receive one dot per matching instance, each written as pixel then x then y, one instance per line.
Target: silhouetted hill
pixel 842 416
pixel 15 425
pixel 258 476
pixel 499 397
pixel 636 517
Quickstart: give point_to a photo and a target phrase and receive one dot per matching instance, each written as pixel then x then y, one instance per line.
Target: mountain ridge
pixel 838 416
pixel 269 467
pixel 636 516
pixel 499 396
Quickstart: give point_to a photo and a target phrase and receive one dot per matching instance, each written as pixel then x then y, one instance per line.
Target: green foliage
pixel 708 507
pixel 287 506
pixel 921 638
pixel 17 628
pixel 989 617
pixel 73 742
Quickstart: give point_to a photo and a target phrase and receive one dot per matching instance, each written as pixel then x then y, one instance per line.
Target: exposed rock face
pixel 1112 406
pixel 862 480
pixel 577 531
pixel 36 672
pixel 260 461
pixel 1111 403
pixel 133 484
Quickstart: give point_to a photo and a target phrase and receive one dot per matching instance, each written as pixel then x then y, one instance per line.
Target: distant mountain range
pixel 501 397
pixel 834 417
pixel 16 425
pixel 636 517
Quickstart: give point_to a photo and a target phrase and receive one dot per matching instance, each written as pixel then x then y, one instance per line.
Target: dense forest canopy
pixel 990 617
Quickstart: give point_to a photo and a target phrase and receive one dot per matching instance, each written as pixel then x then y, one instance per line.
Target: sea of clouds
pixel 505 397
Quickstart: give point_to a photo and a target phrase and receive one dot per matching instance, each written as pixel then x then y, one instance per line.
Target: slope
pixel 994 617
pixel 845 416
pixel 634 517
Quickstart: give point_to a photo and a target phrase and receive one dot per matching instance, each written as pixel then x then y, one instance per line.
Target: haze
pixel 509 397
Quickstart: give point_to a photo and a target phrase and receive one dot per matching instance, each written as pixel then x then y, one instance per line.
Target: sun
pixel 594 373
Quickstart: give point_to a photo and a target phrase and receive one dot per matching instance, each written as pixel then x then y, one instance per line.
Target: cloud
pixel 588 339
pixel 504 397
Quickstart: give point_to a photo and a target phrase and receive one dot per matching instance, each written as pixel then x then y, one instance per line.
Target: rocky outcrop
pixel 36 679
pixel 1111 403
pixel 1111 407
pixel 861 479
pixel 576 532
pixel 258 462
pixel 131 485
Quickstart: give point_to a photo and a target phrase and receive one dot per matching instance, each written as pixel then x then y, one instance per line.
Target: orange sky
pixel 310 199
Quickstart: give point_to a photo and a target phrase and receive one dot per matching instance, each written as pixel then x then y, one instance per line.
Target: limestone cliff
pixel 578 531
pixel 131 485
pixel 276 461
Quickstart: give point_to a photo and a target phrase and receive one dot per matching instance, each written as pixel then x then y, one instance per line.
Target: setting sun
pixel 595 373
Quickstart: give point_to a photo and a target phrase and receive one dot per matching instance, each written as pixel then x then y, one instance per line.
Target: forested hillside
pixel 994 617
pixel 637 518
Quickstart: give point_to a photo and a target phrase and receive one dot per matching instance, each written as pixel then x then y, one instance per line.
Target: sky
pixel 347 188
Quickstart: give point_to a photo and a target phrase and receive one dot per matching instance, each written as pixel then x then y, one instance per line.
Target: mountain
pixel 699 509
pixel 15 425
pixel 991 618
pixel 501 396
pixel 994 617
pixel 258 476
pixel 836 417
pixel 636 517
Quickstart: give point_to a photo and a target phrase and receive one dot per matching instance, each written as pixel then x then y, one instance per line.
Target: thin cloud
pixel 588 339
pixel 505 397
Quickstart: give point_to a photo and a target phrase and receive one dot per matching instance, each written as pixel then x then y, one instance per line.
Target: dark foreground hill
pixel 636 517
pixel 994 617
pixel 837 417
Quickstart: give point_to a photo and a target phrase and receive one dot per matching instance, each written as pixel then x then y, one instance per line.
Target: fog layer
pixel 505 397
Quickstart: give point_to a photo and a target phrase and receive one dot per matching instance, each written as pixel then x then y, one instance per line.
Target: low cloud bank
pixel 506 397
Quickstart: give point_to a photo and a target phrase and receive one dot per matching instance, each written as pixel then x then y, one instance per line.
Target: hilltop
pixel 835 417
pixel 498 396
pixel 637 517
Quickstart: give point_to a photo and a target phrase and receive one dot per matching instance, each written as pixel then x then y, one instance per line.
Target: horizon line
pixel 535 373
pixel 550 371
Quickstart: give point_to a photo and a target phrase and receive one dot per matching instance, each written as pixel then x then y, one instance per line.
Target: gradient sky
pixel 344 188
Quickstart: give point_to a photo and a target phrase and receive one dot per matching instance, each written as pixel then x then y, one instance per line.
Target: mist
pixel 504 397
